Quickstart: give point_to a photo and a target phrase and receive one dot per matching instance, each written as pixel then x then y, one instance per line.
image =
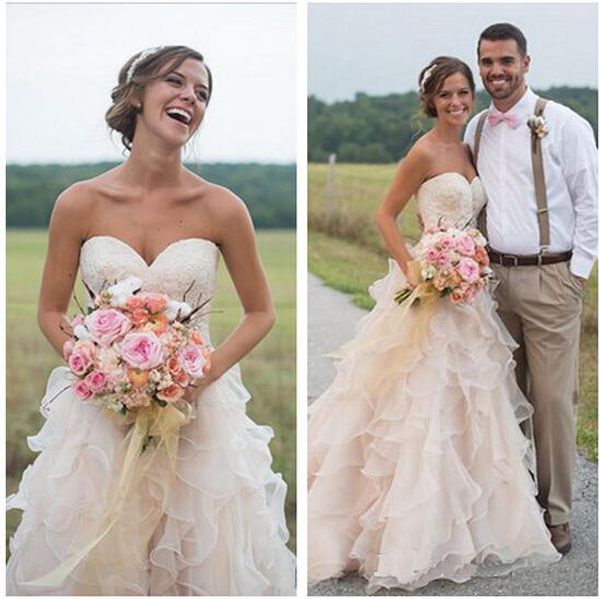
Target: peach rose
pixel 135 302
pixel 138 378
pixel 481 255
pixel 159 323
pixel 171 393
pixel 155 302
pixel 139 317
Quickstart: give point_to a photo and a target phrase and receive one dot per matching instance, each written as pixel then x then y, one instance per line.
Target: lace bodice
pixel 185 265
pixel 452 197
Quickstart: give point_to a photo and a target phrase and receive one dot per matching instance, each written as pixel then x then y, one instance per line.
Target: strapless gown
pixel 218 528
pixel 418 468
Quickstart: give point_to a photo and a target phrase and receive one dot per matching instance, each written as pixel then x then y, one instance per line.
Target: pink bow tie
pixel 495 117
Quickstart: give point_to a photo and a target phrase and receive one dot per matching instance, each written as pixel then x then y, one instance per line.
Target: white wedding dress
pixel 216 528
pixel 418 469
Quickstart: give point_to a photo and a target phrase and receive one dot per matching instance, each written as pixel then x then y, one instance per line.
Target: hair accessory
pixel 426 75
pixel 134 65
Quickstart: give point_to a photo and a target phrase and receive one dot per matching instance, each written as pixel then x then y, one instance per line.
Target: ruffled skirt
pixel 418 468
pixel 214 526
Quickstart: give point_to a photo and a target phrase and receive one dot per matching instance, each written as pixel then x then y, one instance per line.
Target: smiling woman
pixel 151 480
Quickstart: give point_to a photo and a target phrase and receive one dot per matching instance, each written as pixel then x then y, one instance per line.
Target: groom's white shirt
pixel 571 171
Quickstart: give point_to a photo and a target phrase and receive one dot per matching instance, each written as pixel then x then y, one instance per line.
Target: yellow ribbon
pixel 153 421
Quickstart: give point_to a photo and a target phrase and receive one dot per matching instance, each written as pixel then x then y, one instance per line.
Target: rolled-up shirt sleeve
pixel 580 169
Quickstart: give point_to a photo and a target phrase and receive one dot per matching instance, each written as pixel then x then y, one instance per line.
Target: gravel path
pixel 331 321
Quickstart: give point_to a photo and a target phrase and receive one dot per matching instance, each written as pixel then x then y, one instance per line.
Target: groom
pixel 541 182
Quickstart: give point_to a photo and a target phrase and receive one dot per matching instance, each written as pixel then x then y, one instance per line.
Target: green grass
pixel 346 252
pixel 269 371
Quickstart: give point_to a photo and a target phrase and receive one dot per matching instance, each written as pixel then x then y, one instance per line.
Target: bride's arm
pixel 410 174
pixel 238 246
pixel 60 269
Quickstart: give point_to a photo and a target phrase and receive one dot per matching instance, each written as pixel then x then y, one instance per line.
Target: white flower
pixel 428 272
pixel 177 309
pixel 538 126
pixel 120 291
pixel 81 333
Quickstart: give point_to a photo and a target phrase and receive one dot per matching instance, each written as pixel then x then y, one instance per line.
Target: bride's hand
pixel 413 274
pixel 195 389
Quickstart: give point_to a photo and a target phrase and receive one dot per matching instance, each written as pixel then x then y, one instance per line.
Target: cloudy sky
pixel 63 61
pixel 380 49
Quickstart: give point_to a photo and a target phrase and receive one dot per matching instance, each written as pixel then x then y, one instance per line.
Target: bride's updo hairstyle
pixel 432 77
pixel 136 73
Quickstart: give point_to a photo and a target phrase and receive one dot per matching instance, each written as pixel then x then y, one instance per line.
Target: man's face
pixel 502 69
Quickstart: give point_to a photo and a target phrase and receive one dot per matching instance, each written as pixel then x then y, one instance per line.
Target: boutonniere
pixel 538 126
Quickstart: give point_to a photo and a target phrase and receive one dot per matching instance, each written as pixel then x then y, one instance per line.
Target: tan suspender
pixel 539 180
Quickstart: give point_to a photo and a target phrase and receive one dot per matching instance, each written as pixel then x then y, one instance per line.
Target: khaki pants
pixel 541 308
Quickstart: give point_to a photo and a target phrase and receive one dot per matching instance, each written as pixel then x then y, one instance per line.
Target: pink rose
pixel 107 325
pixel 432 255
pixel 82 357
pixel 171 394
pixel 192 360
pixel 465 245
pixel 142 350
pixel 68 347
pixel 96 380
pixel 468 270
pixel 81 390
pixel 443 260
pixel 446 243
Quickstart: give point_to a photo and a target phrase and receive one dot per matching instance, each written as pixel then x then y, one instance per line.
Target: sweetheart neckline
pixel 452 173
pixel 134 251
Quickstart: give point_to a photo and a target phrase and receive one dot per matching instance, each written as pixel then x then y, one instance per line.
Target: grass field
pixel 346 251
pixel 269 371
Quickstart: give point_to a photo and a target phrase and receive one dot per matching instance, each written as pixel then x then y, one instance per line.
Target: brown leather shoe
pixel 560 535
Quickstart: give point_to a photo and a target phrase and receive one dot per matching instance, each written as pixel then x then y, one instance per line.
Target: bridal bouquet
pixel 134 349
pixel 450 262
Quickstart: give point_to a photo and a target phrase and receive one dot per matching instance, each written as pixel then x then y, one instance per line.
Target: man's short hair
pixel 504 31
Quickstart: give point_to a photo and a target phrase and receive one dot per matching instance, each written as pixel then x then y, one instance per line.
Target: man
pixel 541 223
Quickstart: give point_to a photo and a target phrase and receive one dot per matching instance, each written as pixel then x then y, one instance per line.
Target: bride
pixel 418 469
pixel 217 527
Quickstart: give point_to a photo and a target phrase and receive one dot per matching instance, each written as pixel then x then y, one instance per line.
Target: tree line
pixel 268 190
pixel 381 129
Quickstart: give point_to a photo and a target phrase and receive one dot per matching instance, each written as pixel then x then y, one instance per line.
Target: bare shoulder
pixel 74 206
pixel 421 155
pixel 218 209
pixel 220 202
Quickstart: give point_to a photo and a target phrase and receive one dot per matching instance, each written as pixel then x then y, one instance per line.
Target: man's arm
pixel 579 160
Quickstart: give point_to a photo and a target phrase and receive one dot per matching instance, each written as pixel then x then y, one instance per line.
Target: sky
pixel 381 48
pixel 63 60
